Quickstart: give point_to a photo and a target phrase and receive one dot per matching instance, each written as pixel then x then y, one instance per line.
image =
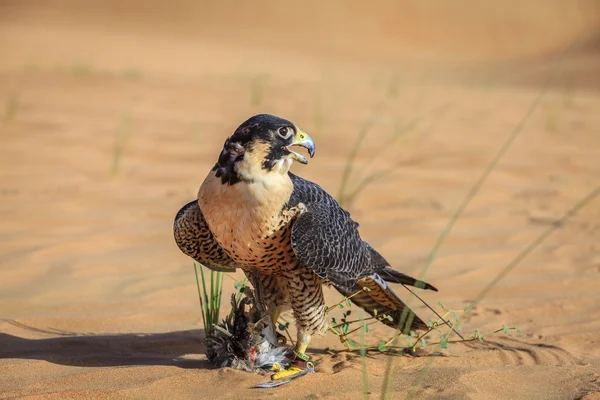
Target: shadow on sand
pixel 106 350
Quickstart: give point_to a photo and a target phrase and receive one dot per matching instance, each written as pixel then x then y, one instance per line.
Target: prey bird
pixel 288 235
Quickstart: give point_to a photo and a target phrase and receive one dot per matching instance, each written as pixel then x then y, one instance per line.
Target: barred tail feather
pixel 380 300
pixel 393 276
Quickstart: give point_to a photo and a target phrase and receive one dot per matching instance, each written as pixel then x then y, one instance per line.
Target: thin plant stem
pixel 350 163
pixel 471 194
pixel 366 127
pixel 375 176
pixel 11 106
pixel 518 128
pixel 363 358
pixel 343 300
pixel 529 249
pixel 360 327
pixel 516 261
pixel 353 321
pixel 287 332
pixel 446 322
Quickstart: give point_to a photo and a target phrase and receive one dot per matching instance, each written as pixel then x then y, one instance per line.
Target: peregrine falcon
pixel 288 235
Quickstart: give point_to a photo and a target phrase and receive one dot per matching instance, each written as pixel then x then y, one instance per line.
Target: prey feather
pixel 240 340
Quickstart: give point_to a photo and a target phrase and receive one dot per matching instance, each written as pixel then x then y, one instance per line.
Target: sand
pixel 111 115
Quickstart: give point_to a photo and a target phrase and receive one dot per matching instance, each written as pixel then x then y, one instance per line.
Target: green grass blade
pixel 212 296
pixel 206 302
pixel 200 298
pixel 221 276
pixel 209 295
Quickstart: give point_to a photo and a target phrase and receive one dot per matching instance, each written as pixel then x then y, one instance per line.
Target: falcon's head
pixel 261 146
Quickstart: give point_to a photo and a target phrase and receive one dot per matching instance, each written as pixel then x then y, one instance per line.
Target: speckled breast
pixel 270 253
pixel 248 223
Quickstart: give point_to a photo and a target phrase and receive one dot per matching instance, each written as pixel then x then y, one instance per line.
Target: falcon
pixel 288 235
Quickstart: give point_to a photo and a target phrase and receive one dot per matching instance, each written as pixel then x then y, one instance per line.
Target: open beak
pixel 301 138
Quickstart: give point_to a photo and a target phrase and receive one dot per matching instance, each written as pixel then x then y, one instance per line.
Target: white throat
pixel 250 170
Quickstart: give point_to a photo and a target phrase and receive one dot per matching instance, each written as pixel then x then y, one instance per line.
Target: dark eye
pixel 284 132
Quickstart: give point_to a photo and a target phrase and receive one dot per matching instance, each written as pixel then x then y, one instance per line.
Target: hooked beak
pixel 301 138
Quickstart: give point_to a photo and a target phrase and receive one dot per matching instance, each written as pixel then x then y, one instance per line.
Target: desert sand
pixel 111 115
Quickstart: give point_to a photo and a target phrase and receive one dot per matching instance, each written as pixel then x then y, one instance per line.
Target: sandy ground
pixel 111 115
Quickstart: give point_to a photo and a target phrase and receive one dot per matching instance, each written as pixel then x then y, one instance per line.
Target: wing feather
pixel 194 238
pixel 326 239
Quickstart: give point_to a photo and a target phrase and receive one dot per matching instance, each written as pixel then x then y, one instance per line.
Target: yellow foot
pixel 284 376
pixel 289 372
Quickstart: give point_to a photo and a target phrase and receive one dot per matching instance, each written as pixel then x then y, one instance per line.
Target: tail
pixel 391 275
pixel 379 300
pixel 382 267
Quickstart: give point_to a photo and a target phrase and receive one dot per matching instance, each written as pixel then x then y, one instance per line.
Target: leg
pixel 271 293
pixel 306 296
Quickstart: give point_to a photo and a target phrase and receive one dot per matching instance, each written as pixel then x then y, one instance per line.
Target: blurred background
pixel 291 39
pixel 112 113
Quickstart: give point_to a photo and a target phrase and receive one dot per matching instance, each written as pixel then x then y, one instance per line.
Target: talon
pixel 289 372
pixel 285 375
pixel 275 367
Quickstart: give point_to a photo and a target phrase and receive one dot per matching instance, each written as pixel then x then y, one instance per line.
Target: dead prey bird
pixel 239 341
pixel 287 234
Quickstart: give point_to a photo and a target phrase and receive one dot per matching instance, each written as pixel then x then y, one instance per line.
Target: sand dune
pixel 111 114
